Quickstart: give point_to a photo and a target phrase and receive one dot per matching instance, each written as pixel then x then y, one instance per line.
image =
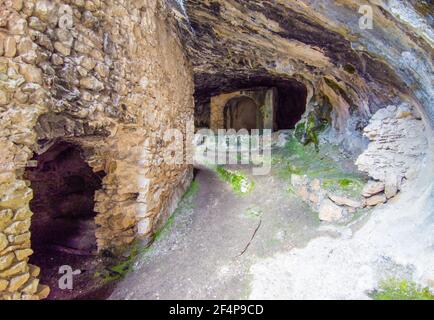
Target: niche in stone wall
pixel 63 226
pixel 241 113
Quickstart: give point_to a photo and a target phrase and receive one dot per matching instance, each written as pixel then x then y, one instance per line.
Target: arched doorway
pixel 241 113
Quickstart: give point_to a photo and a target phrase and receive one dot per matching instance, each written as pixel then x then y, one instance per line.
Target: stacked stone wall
pixel 110 76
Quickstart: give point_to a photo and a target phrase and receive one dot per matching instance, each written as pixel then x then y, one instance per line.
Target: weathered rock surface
pixel 112 76
pixel 235 45
pixel 330 212
pixel 376 199
pixel 346 201
pixel 397 149
pixel 373 187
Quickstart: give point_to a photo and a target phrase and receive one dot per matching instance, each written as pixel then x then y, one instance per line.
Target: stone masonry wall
pixel 265 100
pixel 110 76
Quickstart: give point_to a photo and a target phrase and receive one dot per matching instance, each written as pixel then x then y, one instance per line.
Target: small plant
pixel 401 289
pixel 307 132
pixel 238 181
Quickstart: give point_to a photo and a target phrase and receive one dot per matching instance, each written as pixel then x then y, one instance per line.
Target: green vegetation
pixel 307 132
pixel 401 289
pixel 192 190
pixel 121 269
pixel 239 182
pixel 296 158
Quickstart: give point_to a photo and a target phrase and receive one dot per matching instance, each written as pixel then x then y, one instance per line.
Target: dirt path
pixel 198 256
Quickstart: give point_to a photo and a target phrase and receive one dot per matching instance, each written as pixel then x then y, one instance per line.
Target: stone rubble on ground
pixel 388 160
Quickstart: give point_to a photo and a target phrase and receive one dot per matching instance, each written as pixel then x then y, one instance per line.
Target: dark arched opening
pixel 291 96
pixel 290 106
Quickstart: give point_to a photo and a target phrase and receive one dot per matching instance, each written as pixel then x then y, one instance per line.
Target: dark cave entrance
pixel 291 104
pixel 291 96
pixel 241 113
pixel 63 225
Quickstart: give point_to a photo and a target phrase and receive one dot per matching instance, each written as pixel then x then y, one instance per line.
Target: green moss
pixel 238 181
pixel 296 158
pixel 308 131
pixel 185 203
pixel 123 267
pixel 192 190
pixel 401 289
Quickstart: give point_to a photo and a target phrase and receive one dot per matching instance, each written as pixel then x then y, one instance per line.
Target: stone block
pixel 6 261
pixel 5 218
pixel 330 212
pixel 3 241
pixel 18 227
pixel 10 47
pixel 3 284
pixel 43 291
pixel 23 253
pixel 31 73
pixel 16 282
pixel 345 201
pixel 34 270
pixel 373 187
pixel 376 199
pixel 91 83
pixel 17 268
pixel 31 286
pixel 18 239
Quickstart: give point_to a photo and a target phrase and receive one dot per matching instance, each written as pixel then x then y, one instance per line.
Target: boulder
pixel 392 185
pixel 372 188
pixel 330 212
pixel 345 201
pixel 376 199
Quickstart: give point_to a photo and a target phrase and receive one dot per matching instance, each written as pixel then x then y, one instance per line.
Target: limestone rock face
pixel 320 44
